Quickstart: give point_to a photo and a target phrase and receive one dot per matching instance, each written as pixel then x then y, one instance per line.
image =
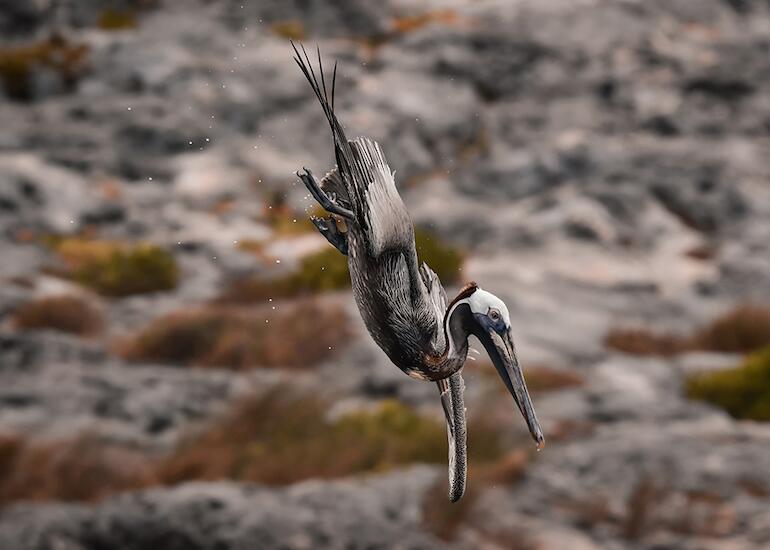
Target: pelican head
pixel 486 316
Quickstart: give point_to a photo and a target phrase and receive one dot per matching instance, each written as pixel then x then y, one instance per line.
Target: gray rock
pixel 377 512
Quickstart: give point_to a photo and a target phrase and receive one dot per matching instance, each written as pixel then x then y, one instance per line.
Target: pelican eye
pixel 494 315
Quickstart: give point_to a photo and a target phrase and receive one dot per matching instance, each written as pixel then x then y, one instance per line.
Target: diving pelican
pixel 403 304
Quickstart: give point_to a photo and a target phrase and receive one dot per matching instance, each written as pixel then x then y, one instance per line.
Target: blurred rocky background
pixel 181 362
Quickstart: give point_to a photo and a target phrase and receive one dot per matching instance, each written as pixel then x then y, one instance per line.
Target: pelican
pixel 403 304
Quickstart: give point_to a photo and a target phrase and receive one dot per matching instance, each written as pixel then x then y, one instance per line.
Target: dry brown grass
pixel 640 341
pixel 539 378
pixel 294 335
pixel 282 438
pixel 743 329
pixel 276 438
pixel 81 469
pixel 444 518
pixel 64 313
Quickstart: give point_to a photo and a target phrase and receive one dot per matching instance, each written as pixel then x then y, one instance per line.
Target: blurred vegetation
pixel 318 272
pixel 282 438
pixel 640 341
pixel 18 64
pixel 411 23
pixel 276 438
pixel 80 469
pixel 327 270
pixel 539 379
pixel 115 268
pixel 116 20
pixel 284 220
pixel 64 313
pixel 295 335
pixel 444 520
pixel 744 391
pixel 740 330
pixel 744 329
pixel 291 29
pixel 442 258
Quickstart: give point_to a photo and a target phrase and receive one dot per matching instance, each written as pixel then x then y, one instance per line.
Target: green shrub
pixel 116 20
pixel 442 258
pixel 116 268
pixel 291 29
pixel 18 64
pixel 744 391
pixel 322 271
pixel 136 270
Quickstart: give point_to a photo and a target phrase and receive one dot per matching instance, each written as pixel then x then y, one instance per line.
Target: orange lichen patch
pixel 297 335
pixel 79 469
pixel 24 235
pixel 222 207
pixel 411 23
pixel 702 252
pixel 56 53
pixel 64 313
pixel 110 189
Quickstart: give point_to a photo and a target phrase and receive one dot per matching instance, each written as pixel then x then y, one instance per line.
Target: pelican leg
pixel 328 228
pixel 323 199
pixel 451 391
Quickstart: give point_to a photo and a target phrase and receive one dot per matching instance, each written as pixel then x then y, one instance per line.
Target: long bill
pixel 503 355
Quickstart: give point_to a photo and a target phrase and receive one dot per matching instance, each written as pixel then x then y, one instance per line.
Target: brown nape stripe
pixel 465 291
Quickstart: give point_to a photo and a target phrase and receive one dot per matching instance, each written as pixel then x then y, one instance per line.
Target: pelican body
pixel 402 303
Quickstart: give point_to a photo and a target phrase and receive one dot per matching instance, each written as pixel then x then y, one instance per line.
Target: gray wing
pixel 451 391
pixel 382 215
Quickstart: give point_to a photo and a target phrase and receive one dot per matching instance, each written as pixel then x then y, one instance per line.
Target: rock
pixel 60 387
pixel 337 514
pixel 40 196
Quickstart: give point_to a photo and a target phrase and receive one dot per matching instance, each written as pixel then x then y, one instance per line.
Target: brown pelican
pixel 403 304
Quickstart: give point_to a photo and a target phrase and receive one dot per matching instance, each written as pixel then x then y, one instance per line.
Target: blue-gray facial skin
pixel 492 321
